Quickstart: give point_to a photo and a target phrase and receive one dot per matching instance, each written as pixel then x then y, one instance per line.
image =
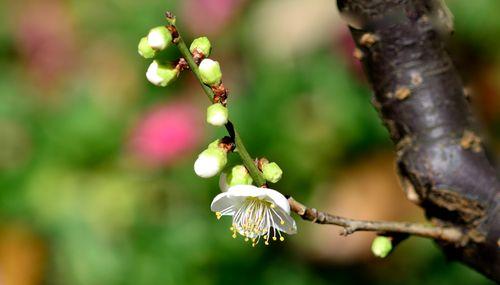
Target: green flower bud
pixel 272 172
pixel 145 49
pixel 238 176
pixel 202 44
pixel 210 72
pixel 381 246
pixel 159 38
pixel 217 115
pixel 161 75
pixel 210 162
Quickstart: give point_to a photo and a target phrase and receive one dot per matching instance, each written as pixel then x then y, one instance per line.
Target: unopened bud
pixel 217 114
pixel 161 75
pixel 210 72
pixel 381 246
pixel 214 144
pixel 238 176
pixel 202 45
pixel 271 172
pixel 159 38
pixel 210 162
pixel 144 49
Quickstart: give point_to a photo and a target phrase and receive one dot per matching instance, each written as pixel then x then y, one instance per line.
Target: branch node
pixel 358 54
pixel 402 93
pixel 368 39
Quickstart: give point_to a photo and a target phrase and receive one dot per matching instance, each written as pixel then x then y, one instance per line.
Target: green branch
pixel 240 147
pixel 181 45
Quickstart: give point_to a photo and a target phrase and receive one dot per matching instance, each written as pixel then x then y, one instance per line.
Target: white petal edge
pixel 246 191
pixel 278 199
pixel 289 227
pixel 223 201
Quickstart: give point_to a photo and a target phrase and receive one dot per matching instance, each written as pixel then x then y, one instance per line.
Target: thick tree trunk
pixel 421 99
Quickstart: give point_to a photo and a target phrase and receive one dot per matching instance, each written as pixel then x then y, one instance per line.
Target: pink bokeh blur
pixel 166 133
pixel 218 13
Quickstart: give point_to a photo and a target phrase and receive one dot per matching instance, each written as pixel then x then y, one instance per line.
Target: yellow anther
pixel 231 228
pixel 282 222
pixel 234 235
pixel 246 239
pixel 266 242
pixel 253 244
pixel 265 237
pixel 282 238
pixel 272 205
pixel 218 215
pixel 274 238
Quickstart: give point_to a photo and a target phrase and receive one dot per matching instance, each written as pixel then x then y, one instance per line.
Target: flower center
pixel 256 218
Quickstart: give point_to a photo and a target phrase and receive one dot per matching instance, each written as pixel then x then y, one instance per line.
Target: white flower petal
pixel 246 191
pixel 223 202
pixel 288 226
pixel 278 199
pixel 269 195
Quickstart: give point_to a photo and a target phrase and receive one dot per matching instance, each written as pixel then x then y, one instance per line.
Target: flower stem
pixel 181 45
pixel 240 147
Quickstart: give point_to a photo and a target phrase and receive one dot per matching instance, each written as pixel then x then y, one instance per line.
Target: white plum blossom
pixel 257 213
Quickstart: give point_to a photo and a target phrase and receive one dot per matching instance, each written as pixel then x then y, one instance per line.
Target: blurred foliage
pixel 72 92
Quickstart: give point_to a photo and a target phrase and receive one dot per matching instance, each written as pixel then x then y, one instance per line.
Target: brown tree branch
pixel 442 162
pixel 448 234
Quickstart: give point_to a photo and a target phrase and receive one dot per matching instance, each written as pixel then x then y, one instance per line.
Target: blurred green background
pixel 96 179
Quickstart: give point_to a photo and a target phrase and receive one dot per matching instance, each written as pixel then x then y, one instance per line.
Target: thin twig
pixel 350 226
pixel 240 146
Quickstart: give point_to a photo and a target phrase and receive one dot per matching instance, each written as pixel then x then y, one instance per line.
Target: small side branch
pixel 448 234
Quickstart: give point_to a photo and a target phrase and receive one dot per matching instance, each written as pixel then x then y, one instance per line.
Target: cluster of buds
pixel 159 73
pixel 211 75
pixel 259 213
pixel 212 160
pixel 162 74
pixel 217 115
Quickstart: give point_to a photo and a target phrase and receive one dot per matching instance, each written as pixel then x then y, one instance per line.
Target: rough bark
pixel 442 162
